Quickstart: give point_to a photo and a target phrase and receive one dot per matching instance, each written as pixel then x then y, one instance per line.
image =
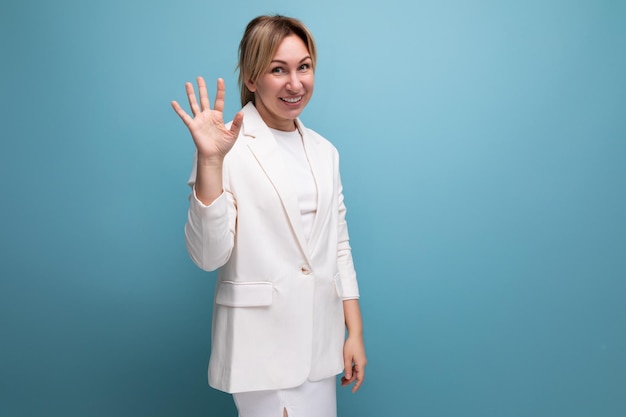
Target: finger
pixel 191 97
pixel 360 377
pixel 204 96
pixel 345 381
pixel 235 127
pixel 220 95
pixel 181 113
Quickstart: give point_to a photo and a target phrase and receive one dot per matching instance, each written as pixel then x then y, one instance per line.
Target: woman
pixel 267 210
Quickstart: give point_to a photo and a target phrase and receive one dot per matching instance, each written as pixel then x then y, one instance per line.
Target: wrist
pixel 206 161
pixel 358 333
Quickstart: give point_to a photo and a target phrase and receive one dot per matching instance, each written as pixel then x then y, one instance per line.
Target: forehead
pixel 291 48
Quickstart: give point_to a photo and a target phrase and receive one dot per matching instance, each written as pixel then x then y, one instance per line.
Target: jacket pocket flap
pixel 244 294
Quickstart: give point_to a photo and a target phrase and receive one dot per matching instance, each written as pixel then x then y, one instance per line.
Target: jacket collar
pixel 254 125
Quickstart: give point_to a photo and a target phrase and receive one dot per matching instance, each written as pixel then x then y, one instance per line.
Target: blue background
pixel 484 161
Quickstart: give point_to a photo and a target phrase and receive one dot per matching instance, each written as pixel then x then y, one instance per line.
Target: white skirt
pixel 311 399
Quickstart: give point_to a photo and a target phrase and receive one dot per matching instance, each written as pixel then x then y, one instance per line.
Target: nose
pixel 294 84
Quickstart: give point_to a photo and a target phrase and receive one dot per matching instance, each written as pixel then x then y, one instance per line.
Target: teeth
pixel 292 100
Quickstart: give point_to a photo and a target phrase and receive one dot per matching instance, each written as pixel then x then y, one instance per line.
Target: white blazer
pixel 278 312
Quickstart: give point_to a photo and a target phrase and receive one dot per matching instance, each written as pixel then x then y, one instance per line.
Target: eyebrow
pixel 278 61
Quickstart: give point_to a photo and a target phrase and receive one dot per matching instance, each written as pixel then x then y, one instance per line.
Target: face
pixel 283 91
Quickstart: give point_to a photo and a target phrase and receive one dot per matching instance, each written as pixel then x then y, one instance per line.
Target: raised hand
pixel 213 140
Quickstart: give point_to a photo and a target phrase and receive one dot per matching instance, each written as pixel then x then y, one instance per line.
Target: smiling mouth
pixel 291 99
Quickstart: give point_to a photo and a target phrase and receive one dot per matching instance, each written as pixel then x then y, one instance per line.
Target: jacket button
pixel 306 269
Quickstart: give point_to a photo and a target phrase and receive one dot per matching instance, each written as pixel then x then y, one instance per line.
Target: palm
pixel 209 133
pixel 213 140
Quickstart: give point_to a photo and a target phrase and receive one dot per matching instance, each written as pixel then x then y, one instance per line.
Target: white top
pixel 298 165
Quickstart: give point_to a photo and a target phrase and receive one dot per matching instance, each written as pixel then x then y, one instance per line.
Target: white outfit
pixel 278 313
pixel 311 399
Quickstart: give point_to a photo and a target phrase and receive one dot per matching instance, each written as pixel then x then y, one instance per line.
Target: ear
pixel 251 85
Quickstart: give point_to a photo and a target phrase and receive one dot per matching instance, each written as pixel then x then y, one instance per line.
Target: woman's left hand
pixel 354 362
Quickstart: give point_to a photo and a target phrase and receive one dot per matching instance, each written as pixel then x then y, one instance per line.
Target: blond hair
pixel 258 46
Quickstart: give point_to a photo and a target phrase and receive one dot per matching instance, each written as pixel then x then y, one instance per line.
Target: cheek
pixel 263 84
pixel 272 87
pixel 310 82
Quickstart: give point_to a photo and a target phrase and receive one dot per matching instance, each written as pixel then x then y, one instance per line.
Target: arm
pixel 354 358
pixel 208 231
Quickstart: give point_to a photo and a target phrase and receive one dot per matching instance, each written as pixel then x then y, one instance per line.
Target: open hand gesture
pixel 213 140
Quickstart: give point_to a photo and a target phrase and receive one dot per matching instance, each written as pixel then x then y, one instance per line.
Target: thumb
pixel 235 127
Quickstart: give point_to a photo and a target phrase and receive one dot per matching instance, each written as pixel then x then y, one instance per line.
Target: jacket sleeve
pixel 210 230
pixel 345 265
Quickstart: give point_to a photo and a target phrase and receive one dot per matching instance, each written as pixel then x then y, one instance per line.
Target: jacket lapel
pixel 263 145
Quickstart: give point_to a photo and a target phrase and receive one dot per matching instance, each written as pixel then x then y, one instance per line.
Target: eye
pixel 277 70
pixel 304 67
